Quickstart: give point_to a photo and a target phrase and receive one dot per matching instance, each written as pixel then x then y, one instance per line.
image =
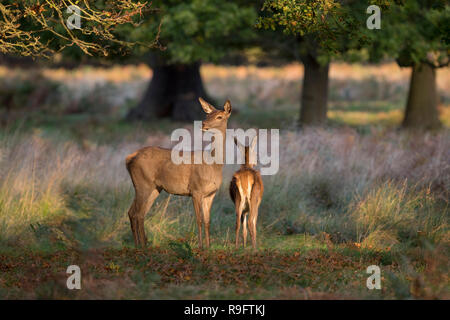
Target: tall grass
pixel 393 212
pixel 47 184
pixel 379 190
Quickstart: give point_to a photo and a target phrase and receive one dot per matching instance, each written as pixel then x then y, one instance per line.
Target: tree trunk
pixel 313 105
pixel 173 92
pixel 421 109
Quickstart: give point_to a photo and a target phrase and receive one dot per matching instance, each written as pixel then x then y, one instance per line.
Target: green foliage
pixel 412 32
pixel 297 17
pixel 322 27
pixel 199 29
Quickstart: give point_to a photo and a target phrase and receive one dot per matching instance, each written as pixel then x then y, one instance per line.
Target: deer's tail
pixel 129 160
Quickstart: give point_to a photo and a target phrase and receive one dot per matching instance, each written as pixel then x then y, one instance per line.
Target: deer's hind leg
pixel 244 227
pixel 239 205
pixel 142 203
pixel 252 219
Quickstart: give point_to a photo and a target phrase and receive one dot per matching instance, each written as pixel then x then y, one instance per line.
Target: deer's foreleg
pixel 206 209
pixel 197 200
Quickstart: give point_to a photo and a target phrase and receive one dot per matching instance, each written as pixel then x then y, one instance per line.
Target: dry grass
pixel 345 196
pixel 370 189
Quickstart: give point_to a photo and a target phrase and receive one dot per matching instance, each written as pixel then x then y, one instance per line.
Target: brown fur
pixel 152 170
pixel 246 191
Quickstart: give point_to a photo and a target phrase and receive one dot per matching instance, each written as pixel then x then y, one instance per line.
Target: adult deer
pixel 152 170
pixel 246 191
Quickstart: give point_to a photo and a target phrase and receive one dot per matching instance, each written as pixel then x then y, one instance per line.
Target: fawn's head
pixel 248 152
pixel 215 119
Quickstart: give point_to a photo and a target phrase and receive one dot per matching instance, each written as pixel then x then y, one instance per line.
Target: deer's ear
pixel 236 141
pixel 253 144
pixel 253 156
pixel 240 147
pixel 227 107
pixel 206 106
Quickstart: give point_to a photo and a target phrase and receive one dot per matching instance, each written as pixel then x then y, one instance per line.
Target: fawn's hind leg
pixel 252 219
pixel 142 203
pixel 239 205
pixel 244 227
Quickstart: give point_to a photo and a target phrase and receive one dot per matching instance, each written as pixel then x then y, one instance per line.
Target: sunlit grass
pixel 359 118
pixel 392 213
pixel 445 116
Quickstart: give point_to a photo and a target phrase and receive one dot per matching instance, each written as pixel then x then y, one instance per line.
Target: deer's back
pixel 155 165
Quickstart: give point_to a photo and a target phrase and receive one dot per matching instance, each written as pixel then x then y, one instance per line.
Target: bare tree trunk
pixel 314 98
pixel 421 109
pixel 173 92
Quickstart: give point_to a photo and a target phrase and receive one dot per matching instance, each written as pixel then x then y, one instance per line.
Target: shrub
pixel 392 213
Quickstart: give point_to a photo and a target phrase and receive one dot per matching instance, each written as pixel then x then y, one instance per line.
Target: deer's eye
pixel 219 117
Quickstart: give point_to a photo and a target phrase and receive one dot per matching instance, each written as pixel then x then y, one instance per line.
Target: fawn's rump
pixel 241 187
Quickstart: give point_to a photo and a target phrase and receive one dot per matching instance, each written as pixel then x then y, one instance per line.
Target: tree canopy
pixel 39 28
pixel 197 30
pixel 412 32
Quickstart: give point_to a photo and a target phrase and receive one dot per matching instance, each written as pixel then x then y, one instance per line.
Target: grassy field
pixel 354 194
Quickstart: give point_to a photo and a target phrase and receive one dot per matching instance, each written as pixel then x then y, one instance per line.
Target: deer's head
pixel 215 119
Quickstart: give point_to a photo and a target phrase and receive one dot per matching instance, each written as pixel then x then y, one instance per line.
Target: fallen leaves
pixel 323 270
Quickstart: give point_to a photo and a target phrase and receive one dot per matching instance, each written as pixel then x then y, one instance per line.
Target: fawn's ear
pixel 206 106
pixel 227 107
pixel 240 147
pixel 253 144
pixel 236 141
pixel 252 152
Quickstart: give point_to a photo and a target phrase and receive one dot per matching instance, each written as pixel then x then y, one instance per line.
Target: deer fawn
pixel 246 191
pixel 152 170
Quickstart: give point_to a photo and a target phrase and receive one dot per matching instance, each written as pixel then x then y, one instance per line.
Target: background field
pixel 356 193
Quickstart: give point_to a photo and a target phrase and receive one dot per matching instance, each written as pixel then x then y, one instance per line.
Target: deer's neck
pixel 220 138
